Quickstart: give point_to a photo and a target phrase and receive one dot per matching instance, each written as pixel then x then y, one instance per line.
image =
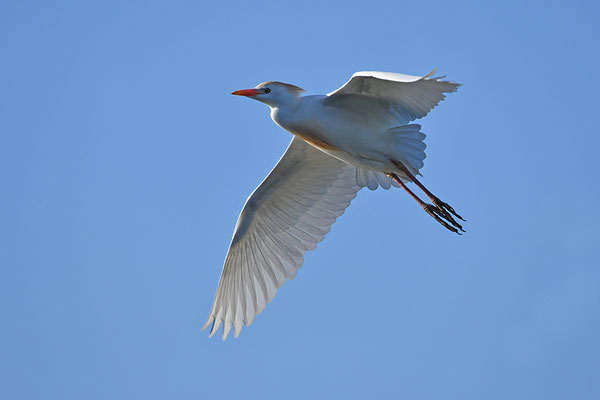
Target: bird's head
pixel 272 93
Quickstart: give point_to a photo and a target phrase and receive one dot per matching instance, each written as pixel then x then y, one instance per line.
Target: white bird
pixel 356 136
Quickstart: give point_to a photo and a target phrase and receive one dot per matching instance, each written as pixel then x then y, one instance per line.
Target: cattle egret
pixel 357 136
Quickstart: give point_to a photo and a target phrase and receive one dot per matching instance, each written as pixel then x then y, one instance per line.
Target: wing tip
pixel 430 74
pixel 237 329
pixel 216 324
pixel 226 329
pixel 455 85
pixel 210 319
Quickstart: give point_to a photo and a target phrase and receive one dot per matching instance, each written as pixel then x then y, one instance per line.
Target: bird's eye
pixel 267 90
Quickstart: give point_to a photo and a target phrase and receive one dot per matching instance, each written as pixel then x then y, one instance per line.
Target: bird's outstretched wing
pixel 394 98
pixel 287 215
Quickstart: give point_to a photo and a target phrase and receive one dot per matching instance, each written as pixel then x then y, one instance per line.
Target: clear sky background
pixel 124 163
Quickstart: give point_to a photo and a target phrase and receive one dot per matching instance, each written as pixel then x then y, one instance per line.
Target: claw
pixel 440 211
pixel 438 214
pixel 447 212
pixel 445 207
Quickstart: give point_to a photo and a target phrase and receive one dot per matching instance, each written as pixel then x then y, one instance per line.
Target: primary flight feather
pixel 357 136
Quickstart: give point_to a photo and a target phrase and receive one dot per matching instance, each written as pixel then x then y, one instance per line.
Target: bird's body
pixel 332 130
pixel 358 136
pixel 341 133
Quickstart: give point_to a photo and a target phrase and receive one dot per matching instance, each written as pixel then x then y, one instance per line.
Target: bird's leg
pixel 445 208
pixel 430 209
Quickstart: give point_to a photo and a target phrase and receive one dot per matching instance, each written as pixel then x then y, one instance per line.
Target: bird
pixel 360 135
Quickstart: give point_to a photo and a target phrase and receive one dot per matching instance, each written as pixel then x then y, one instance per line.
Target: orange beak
pixel 246 92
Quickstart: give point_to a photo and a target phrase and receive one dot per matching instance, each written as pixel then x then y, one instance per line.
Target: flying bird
pixel 357 136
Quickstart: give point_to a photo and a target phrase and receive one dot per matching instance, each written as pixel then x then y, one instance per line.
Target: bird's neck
pixel 290 102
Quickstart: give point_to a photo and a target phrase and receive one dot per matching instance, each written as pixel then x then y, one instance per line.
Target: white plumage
pixel 406 97
pixel 357 136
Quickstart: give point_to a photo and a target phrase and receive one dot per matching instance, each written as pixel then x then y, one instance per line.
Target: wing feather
pixel 396 98
pixel 288 214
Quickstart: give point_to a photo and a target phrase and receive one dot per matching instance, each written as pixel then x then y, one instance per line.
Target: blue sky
pixel 124 163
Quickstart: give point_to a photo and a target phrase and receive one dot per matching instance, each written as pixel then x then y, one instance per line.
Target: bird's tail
pixel 409 146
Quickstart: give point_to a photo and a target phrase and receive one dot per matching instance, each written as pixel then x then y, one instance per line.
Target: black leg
pixel 444 208
pixel 434 211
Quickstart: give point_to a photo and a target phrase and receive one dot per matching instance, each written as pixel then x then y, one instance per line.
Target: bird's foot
pixel 447 211
pixel 439 215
